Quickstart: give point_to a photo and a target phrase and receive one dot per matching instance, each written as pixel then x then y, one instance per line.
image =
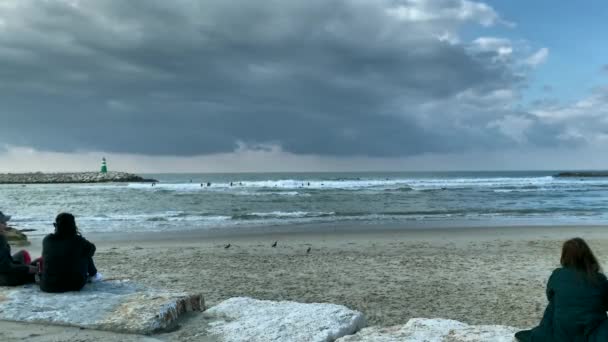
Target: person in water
pixel 14 269
pixel 67 257
pixel 578 300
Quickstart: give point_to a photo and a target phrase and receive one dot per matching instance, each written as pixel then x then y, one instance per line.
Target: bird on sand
pixel 308 250
pixel 227 246
pixel 274 244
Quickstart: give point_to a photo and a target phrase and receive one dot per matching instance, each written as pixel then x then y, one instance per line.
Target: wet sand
pixel 476 275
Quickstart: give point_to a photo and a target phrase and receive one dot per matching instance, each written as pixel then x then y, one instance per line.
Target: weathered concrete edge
pixel 168 316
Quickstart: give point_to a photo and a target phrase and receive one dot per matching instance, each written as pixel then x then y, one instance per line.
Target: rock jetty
pixel 583 174
pixel 71 177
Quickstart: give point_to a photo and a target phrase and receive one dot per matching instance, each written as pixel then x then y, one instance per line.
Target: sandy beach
pixel 475 275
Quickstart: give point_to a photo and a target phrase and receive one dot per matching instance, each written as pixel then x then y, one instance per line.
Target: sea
pixel 199 202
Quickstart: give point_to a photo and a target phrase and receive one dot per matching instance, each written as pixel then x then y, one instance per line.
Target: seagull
pixel 274 244
pixel 308 250
pixel 227 246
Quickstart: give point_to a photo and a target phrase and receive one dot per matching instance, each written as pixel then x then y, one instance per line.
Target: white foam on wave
pixel 267 193
pixel 266 187
pixel 521 190
pixel 167 186
pixel 292 214
pixel 260 188
pixel 421 184
pixel 151 217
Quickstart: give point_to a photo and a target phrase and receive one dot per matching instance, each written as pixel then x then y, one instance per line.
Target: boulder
pixel 246 319
pixel 434 330
pixel 117 306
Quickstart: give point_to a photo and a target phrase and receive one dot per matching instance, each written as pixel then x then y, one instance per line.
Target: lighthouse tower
pixel 104 166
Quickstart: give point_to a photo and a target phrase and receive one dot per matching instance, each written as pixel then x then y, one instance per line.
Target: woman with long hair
pixel 67 257
pixel 578 299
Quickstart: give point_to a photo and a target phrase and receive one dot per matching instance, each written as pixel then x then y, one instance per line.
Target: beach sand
pixel 476 275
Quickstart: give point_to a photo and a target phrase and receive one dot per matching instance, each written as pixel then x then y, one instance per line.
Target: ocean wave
pixel 281 214
pixel 247 187
pixel 271 193
pixel 191 222
pixel 525 188
pixel 356 183
pixel 338 215
pixel 401 189
pixel 437 189
pixel 255 201
pixel 155 217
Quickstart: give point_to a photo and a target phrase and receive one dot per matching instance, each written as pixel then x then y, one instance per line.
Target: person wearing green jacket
pixel 578 300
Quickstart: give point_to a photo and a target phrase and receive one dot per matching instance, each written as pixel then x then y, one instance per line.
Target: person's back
pixel 578 300
pixel 579 303
pixel 67 258
pixel 64 259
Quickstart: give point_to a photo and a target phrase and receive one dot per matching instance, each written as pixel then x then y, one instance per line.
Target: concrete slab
pixel 118 306
pixel 427 330
pixel 246 319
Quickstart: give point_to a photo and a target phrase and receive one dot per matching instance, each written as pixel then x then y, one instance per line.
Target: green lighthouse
pixel 104 166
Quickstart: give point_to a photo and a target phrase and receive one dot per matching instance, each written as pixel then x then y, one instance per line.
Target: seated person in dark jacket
pixel 14 269
pixel 67 257
pixel 578 300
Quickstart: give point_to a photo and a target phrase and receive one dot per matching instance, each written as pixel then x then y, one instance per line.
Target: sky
pixel 303 85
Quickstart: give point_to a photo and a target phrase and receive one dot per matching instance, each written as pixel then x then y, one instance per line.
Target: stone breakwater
pixel 583 174
pixel 70 177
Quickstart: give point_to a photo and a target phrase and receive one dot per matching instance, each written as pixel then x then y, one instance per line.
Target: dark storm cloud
pixel 195 77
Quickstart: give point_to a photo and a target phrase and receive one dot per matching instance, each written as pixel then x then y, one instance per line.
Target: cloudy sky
pixel 242 85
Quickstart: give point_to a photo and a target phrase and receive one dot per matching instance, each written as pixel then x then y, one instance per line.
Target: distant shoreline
pixel 583 174
pixel 72 177
pixel 336 229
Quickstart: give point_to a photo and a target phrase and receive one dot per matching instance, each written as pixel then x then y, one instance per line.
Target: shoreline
pixel 335 233
pixel 303 229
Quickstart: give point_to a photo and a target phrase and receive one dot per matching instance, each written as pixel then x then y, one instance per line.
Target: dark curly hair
pixel 65 225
